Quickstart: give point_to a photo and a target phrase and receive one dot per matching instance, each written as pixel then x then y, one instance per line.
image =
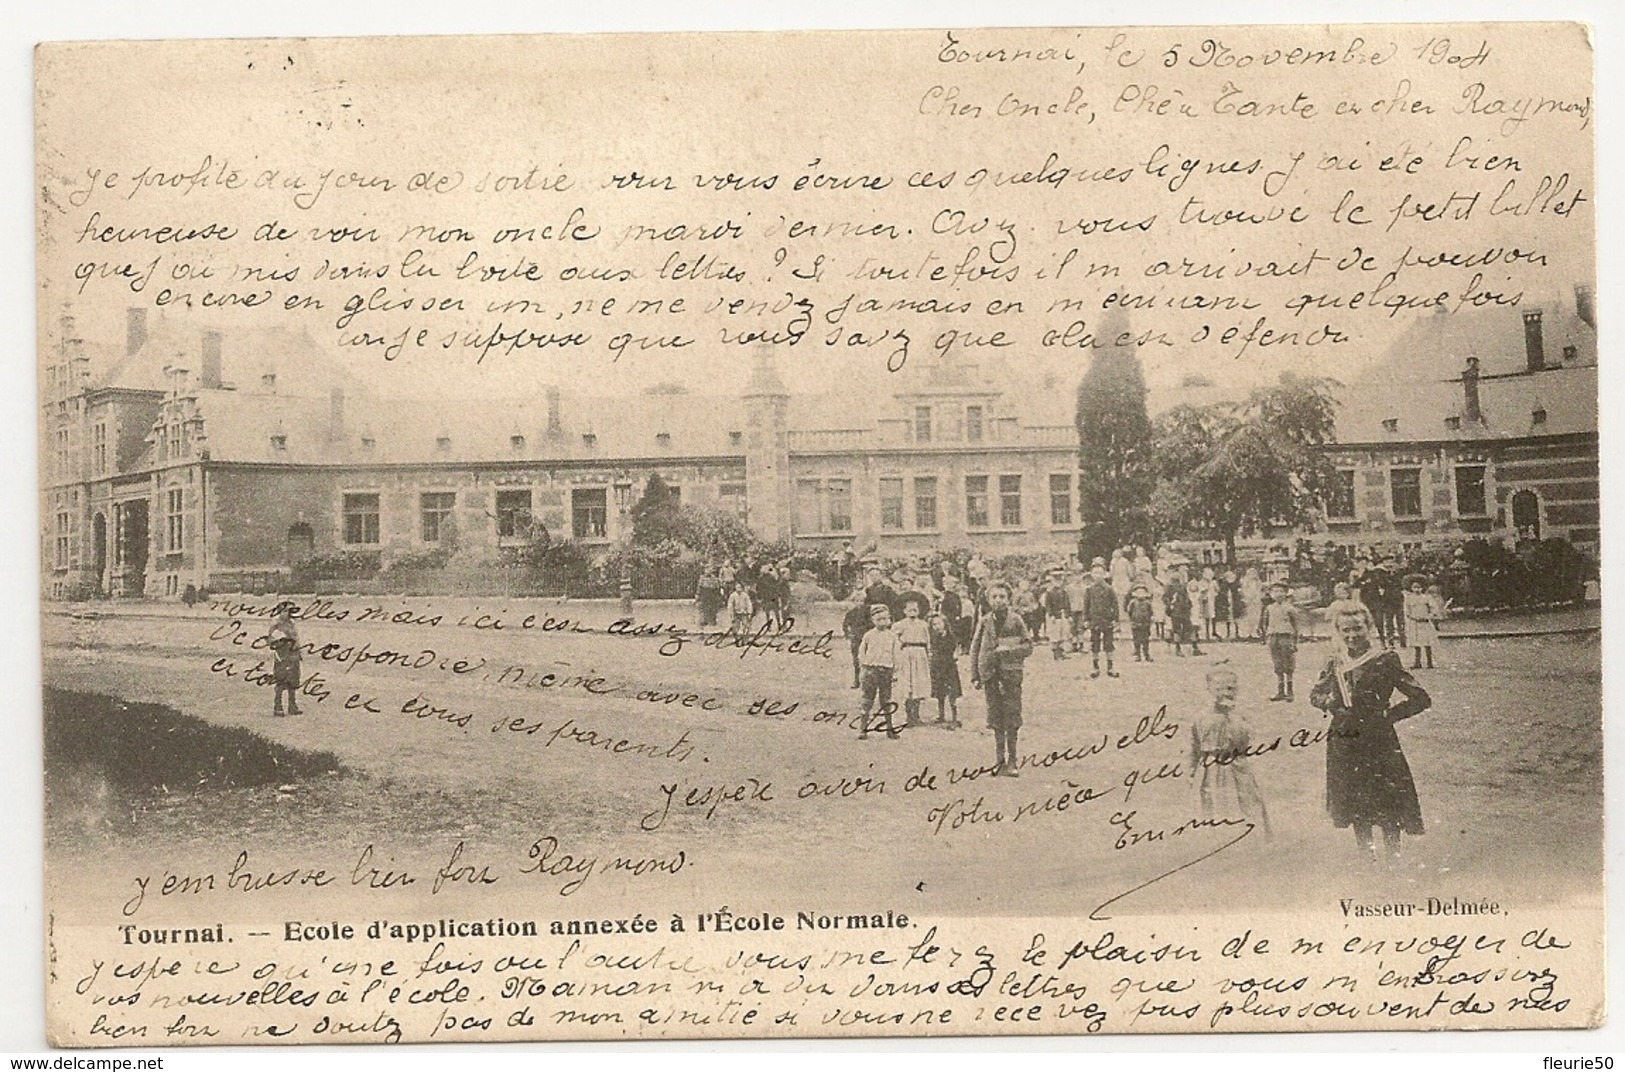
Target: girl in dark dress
pixel 1368 782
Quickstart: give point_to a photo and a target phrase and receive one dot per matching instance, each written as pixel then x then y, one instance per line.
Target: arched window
pixel 1526 515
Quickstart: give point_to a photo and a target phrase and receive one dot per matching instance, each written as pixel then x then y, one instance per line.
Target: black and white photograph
pixel 820 534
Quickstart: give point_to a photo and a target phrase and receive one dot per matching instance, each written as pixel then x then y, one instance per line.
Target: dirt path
pixel 746 774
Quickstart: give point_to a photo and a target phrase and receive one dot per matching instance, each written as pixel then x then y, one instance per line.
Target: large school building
pixel 190 457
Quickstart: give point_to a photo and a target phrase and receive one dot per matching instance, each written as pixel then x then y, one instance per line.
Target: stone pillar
pixel 767 449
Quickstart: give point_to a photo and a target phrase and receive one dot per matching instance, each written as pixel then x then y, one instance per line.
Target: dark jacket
pixel 1000 647
pixel 1100 603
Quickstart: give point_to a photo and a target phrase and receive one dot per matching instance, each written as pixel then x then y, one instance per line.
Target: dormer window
pixel 517 443
pixel 368 442
pixel 1453 423
pixel 279 442
pixel 1538 415
pixel 268 381
pixel 589 440
pixel 663 439
pixel 735 438
pixel 1391 424
pixel 1569 355
pixel 442 444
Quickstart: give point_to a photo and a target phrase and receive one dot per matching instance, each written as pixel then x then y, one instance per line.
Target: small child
pixel 913 675
pixel 854 625
pixel 1281 625
pixel 945 686
pixel 878 657
pixel 1220 737
pixel 1140 612
pixel 1057 614
pixel 1422 613
pixel 1100 611
pixel 283 640
pixel 741 609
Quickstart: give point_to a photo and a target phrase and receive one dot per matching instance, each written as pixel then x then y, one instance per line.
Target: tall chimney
pixel 211 361
pixel 135 330
pixel 555 419
pixel 1585 304
pixel 1532 347
pixel 73 352
pixel 335 415
pixel 1471 412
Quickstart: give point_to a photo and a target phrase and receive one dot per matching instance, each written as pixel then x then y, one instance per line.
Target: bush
pixel 1476 575
pixel 418 561
pixel 337 566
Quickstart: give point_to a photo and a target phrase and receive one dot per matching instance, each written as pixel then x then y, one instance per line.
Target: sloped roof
pixel 1437 346
pixel 1568 396
pixel 299 363
pixel 241 425
pixel 1418 384
pixel 289 418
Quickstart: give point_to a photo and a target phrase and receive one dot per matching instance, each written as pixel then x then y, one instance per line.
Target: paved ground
pixel 750 769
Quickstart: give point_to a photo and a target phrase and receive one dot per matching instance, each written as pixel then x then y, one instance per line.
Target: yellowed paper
pixel 396 332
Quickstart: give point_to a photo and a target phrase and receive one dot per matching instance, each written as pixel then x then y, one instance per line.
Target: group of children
pixel 916 658
pixel 744 592
pixel 1423 607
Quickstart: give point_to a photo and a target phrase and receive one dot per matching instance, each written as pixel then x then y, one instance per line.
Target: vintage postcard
pixel 951 532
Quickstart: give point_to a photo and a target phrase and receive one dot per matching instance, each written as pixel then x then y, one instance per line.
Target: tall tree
pixel 1227 470
pixel 655 517
pixel 1115 474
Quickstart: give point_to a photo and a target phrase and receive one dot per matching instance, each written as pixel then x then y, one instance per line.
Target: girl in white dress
pixel 913 660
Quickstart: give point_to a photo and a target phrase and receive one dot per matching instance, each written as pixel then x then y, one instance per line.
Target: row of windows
pixel 825 505
pixel 1405 493
pixel 589 512
pixel 171 445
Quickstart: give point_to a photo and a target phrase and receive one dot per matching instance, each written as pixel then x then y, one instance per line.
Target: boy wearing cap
pixel 1101 612
pixel 1057 613
pixel 1140 611
pixel 1002 643
pixel 1282 624
pixel 877 655
pixel 1177 604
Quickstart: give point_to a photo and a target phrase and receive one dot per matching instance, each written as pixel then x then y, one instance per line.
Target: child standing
pixel 1204 602
pixel 741 609
pixel 1282 624
pixel 854 625
pixel 945 684
pixel 1422 616
pixel 1057 613
pixel 1000 647
pixel 913 659
pixel 1220 737
pixel 1100 611
pixel 283 640
pixel 878 657
pixel 1140 609
pixel 1177 603
pixel 1159 609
